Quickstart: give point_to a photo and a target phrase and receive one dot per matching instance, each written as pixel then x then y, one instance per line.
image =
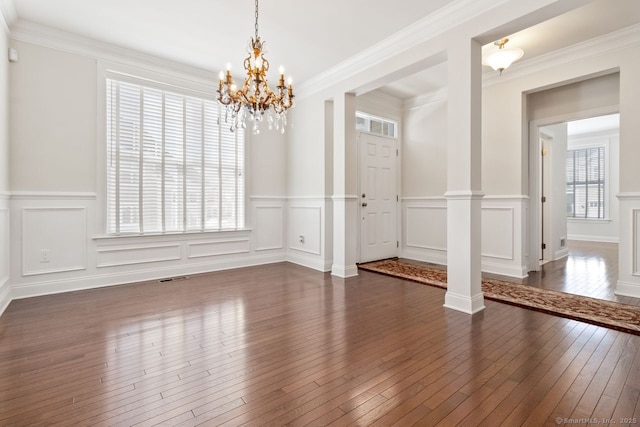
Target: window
pixel 170 167
pixel 379 126
pixel 586 183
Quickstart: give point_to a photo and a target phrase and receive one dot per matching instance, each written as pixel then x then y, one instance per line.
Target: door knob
pixel 364 204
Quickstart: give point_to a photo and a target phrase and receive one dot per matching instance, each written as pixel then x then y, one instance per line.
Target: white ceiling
pixel 306 37
pixel 593 124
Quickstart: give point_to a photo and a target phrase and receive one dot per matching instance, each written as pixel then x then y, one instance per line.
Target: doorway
pixel 573 195
pixel 378 197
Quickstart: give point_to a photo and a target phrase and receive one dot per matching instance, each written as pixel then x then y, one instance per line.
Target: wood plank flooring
pixel 284 345
pixel 591 269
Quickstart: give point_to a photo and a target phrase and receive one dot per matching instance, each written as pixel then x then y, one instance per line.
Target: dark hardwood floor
pixel 591 269
pixel 284 345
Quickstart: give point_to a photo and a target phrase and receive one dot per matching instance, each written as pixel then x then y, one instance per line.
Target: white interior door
pixel 378 197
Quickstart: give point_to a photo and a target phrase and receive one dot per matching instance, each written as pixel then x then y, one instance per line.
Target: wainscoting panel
pixel 130 255
pixel 629 246
pixel 636 242
pixel 268 225
pixel 78 255
pixel 426 227
pixel 54 240
pixel 503 232
pixel 5 285
pixel 217 248
pixel 305 228
pixel 497 232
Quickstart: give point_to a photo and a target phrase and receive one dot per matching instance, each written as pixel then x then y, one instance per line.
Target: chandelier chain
pixel 256 19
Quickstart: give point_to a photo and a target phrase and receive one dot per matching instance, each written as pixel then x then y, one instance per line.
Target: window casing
pixel 170 165
pixel 586 183
pixel 376 125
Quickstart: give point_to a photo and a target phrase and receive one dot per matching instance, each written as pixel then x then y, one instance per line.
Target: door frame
pixel 534 237
pixel 398 187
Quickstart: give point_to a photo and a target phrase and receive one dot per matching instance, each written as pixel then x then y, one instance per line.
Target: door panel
pixel 378 201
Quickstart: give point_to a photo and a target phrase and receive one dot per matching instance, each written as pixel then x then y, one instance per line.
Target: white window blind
pixel 170 166
pixel 586 183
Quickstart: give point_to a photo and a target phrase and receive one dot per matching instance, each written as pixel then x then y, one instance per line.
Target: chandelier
pixel 255 100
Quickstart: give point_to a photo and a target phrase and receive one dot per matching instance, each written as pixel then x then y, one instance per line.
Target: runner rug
pixel 610 314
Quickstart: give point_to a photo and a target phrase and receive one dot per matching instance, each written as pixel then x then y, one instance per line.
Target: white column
pixel 345 175
pixel 463 195
pixel 629 233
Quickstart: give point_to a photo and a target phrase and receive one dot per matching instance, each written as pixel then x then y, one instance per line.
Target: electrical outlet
pixel 301 239
pixel 45 255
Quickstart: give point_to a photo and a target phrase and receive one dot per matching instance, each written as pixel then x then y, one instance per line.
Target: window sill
pixel 589 220
pixel 184 235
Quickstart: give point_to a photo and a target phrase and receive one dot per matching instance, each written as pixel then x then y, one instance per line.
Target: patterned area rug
pixel 610 314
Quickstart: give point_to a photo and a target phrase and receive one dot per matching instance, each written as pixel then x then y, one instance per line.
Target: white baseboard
pixel 516 271
pixel 562 253
pixel 34 289
pixel 599 239
pixel 5 294
pixel 309 261
pixel 424 256
pixel 627 289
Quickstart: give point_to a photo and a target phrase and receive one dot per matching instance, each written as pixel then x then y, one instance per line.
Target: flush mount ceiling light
pixel 503 57
pixel 254 99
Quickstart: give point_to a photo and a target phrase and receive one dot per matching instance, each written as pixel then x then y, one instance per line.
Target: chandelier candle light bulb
pixel 255 99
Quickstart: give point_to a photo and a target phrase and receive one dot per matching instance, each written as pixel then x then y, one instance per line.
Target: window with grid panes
pixel 586 183
pixel 170 167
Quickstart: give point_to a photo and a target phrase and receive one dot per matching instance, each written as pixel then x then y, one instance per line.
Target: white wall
pixel 606 230
pixel 5 288
pixel 424 150
pixel 56 197
pixel 555 179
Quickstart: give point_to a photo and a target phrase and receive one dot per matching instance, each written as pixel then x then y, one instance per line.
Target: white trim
pixel 268 198
pixel 177 235
pixel 438 95
pixel 345 196
pixel 587 238
pixel 5 294
pixel 464 195
pixel 627 289
pixel 141 248
pixel 52 195
pixel 423 199
pixel 344 271
pixel 30 32
pixel 432 25
pixel 628 196
pixel 313 262
pixel 120 278
pixel 9 15
pixel 601 45
pixel 517 271
pixel 463 303
pixel 309 198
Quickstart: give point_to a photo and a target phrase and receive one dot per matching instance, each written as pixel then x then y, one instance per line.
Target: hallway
pixel 591 269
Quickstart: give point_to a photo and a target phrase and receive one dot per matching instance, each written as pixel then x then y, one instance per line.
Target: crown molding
pixel 420 101
pixel 42 35
pixel 9 14
pixel 597 46
pixel 442 20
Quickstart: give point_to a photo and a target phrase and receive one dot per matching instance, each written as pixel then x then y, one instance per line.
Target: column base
pixel 344 271
pixel 463 303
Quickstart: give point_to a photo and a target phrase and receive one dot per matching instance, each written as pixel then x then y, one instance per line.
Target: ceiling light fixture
pixel 255 98
pixel 502 58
